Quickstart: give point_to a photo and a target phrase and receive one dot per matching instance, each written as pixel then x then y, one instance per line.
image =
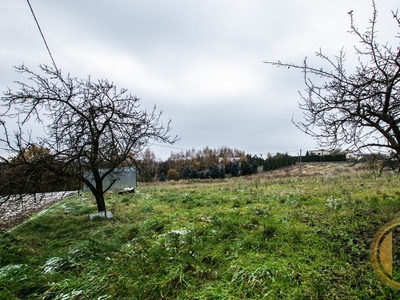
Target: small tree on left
pixel 91 127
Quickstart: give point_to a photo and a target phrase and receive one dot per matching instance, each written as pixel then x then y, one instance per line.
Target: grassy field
pixel 265 237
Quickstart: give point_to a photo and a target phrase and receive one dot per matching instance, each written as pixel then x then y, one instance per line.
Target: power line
pixel 41 33
pixel 158 145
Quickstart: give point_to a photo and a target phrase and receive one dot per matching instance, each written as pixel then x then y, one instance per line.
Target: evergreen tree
pixel 187 173
pixel 195 173
pixel 246 169
pixel 234 169
pixel 255 167
pixel 162 177
pixel 223 172
pixel 215 172
pixel 267 165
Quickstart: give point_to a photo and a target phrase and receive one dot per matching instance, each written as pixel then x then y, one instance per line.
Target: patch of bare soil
pixel 17 209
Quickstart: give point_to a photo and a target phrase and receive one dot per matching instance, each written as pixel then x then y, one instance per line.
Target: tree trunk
pixel 99 195
pixel 101 204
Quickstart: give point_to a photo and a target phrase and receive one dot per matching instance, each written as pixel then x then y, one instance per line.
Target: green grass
pixel 287 238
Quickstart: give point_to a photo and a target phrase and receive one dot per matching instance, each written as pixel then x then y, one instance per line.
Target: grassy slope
pixel 283 238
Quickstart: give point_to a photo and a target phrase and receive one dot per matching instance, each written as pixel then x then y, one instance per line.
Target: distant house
pixel 320 152
pixel 230 159
pixel 350 156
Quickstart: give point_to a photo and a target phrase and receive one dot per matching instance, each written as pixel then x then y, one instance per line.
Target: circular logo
pixel 381 254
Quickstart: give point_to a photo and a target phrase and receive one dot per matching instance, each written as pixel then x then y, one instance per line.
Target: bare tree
pixel 359 110
pixel 91 127
pixel 147 165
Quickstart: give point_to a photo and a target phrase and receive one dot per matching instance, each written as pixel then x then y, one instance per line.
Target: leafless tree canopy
pixel 359 110
pixel 89 125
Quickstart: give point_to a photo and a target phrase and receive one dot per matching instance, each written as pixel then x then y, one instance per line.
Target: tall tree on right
pixel 361 110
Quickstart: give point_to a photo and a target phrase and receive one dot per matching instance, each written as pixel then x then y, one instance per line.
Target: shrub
pixel 173 174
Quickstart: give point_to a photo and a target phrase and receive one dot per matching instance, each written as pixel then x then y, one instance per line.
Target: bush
pixel 173 174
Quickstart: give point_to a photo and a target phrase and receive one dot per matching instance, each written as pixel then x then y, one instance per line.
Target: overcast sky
pixel 200 62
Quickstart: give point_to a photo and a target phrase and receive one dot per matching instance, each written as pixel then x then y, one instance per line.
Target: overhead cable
pixel 41 33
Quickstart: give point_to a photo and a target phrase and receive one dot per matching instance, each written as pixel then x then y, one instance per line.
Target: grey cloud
pixel 199 61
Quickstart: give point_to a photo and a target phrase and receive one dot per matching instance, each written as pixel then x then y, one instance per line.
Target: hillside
pixel 314 169
pixel 17 211
pixel 265 237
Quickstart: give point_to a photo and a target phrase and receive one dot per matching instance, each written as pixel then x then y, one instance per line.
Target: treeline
pixel 189 164
pixel 232 169
pixel 208 163
pixel 219 163
pixel 43 174
pixel 279 161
